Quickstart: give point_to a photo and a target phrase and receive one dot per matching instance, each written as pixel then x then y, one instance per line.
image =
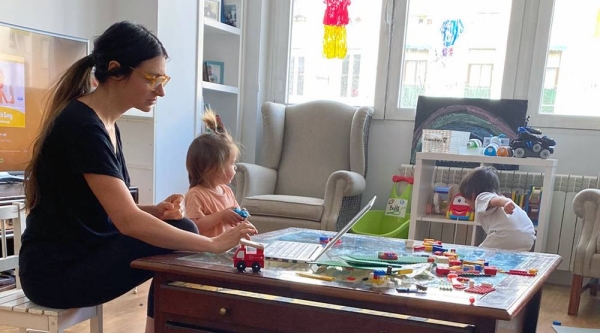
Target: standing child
pixel 211 166
pixel 507 226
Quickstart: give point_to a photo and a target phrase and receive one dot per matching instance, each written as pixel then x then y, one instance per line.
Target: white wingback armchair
pixel 586 262
pixel 311 169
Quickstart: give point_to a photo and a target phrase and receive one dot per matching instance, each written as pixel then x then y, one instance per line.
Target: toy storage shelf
pixel 423 191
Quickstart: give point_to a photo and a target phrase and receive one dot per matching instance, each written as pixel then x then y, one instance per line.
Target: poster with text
pixel 12 91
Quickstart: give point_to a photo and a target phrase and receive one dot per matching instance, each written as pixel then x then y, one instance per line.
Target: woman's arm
pixel 115 198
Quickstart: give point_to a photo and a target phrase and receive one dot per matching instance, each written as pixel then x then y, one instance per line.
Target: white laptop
pixel 298 252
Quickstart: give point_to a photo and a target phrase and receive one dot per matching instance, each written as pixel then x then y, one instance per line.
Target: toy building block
pixel 442 270
pixel 404 271
pixel 520 272
pixel 469 274
pixel 446 286
pixel 454 262
pixel 365 259
pixel 490 270
pixel 409 243
pixel 419 248
pixel 442 260
pixel 379 279
pixel 438 248
pixel 454 281
pixel 480 290
pixel 386 255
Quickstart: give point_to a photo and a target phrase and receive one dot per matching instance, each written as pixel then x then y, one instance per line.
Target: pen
pixel 314 276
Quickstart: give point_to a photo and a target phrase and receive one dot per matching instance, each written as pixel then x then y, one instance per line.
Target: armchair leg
pixel 575 295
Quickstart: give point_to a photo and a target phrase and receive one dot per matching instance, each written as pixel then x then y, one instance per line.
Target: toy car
pixel 249 254
pixel 531 143
pixel 241 212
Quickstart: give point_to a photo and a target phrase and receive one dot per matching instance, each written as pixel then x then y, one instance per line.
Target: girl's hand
pixel 509 207
pixel 170 208
pixel 231 237
pixel 229 217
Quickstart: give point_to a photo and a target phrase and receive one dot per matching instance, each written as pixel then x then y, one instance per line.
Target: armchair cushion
pixel 285 206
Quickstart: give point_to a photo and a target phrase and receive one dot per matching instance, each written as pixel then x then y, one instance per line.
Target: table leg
pixel 532 311
pixel 485 325
pixel 160 319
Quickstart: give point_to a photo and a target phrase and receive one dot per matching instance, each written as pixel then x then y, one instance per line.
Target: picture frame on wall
pixel 212 10
pixel 215 71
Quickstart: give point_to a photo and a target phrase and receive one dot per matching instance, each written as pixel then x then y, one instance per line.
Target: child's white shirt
pixel 504 231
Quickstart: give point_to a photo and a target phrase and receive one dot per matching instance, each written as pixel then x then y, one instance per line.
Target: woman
pixel 83 228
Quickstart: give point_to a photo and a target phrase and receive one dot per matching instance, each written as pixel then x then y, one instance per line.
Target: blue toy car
pixel 241 212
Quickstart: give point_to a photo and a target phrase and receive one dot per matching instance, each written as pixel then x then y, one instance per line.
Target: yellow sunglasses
pixel 155 80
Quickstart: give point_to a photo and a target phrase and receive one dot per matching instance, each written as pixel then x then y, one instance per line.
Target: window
pixel 572 73
pixel 544 51
pixel 311 76
pixel 462 43
pixel 349 86
pixel 296 77
pixel 551 82
pixel 415 71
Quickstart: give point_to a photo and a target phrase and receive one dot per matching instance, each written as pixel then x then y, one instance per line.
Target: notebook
pixel 298 252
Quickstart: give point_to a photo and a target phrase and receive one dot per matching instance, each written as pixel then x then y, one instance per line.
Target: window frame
pixel 523 74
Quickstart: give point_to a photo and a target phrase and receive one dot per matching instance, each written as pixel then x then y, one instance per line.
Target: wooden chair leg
pixel 575 295
pixel 594 287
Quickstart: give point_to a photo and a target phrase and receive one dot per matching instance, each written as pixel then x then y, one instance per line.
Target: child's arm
pixel 226 216
pixel 504 202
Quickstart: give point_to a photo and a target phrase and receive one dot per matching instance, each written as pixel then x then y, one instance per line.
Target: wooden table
pixel 276 299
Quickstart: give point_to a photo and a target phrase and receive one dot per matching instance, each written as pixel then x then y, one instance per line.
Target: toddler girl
pixel 210 165
pixel 507 226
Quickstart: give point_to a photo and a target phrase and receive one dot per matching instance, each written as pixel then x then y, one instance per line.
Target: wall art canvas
pixel 481 117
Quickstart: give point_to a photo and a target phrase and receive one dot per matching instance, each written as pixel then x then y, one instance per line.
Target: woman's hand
pixel 231 237
pixel 170 208
pixel 229 217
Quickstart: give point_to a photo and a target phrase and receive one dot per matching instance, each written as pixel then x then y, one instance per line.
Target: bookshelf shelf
pixel 423 191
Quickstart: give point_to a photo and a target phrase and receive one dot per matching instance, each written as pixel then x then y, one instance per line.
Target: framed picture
pixel 215 71
pixel 212 9
pixel 231 12
pixel 229 15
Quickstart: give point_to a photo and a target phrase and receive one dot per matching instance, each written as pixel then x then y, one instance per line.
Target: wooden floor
pixel 128 312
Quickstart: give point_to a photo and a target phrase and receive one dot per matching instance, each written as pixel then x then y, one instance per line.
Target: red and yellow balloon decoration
pixel 335 21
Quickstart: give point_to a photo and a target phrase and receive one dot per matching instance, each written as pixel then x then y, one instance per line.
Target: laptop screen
pixel 347 227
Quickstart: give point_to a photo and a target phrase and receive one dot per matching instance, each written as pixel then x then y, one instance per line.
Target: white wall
pixel 175 115
pixel 77 18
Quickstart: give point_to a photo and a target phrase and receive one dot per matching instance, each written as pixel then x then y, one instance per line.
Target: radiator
pixel 564 227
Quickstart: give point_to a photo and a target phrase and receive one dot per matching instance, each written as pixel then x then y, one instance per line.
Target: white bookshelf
pixel 423 191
